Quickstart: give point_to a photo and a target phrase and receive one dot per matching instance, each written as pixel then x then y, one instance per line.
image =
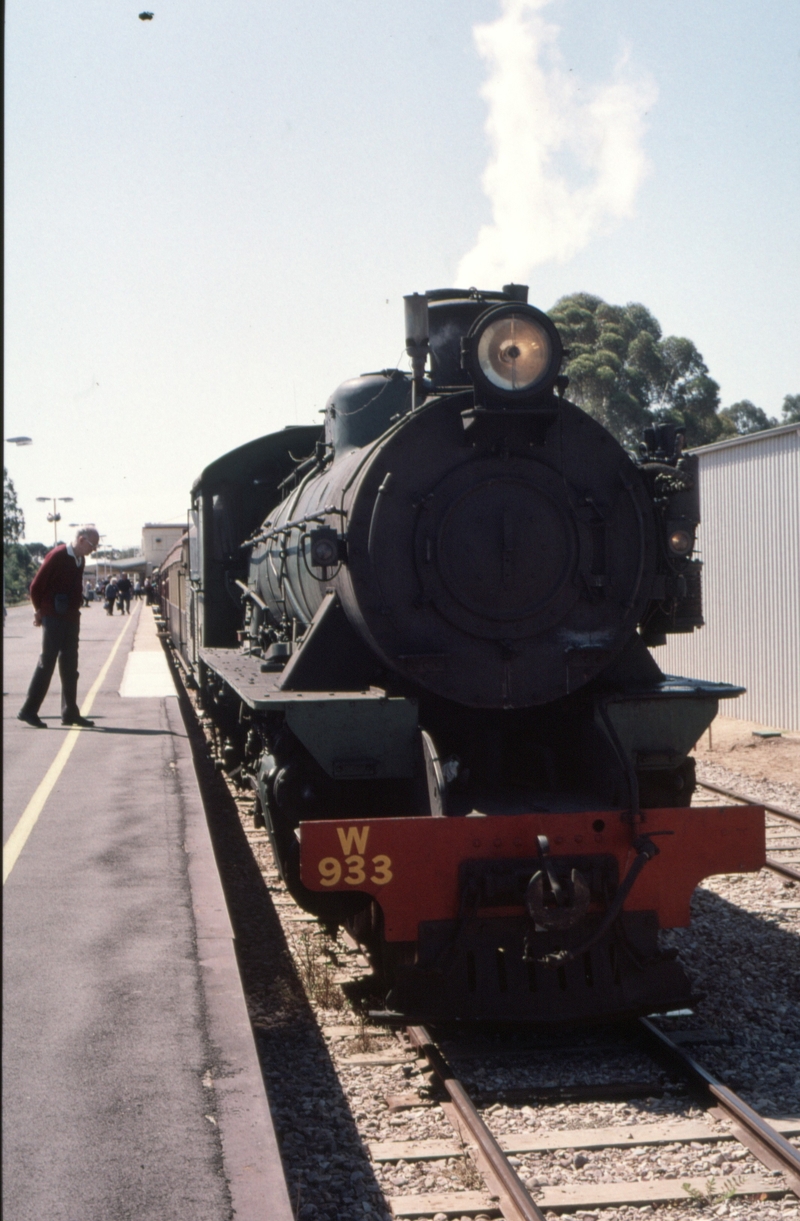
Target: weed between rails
pixel 316 974
pixel 713 1194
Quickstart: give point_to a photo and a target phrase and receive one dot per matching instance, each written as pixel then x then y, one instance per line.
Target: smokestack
pixel 517 292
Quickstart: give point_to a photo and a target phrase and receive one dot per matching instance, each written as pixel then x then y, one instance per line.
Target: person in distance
pixel 110 595
pixel 124 591
pixel 57 594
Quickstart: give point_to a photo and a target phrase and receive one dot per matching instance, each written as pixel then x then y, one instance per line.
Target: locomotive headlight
pixel 680 542
pixel 513 351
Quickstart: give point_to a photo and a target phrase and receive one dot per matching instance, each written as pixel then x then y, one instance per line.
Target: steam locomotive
pixel 422 634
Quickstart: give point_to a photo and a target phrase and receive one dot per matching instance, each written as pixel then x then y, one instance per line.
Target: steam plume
pixel 540 122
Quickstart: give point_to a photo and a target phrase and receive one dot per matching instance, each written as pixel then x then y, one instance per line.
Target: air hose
pixel 645 851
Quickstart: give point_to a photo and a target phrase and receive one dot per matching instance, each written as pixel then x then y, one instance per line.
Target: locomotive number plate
pixel 351 867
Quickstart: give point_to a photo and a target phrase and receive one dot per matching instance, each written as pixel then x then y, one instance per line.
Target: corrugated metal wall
pixel 749 542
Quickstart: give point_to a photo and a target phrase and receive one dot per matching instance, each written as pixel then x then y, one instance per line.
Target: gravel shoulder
pixel 736 749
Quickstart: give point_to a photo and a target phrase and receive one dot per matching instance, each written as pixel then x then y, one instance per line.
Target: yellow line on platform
pixel 19 836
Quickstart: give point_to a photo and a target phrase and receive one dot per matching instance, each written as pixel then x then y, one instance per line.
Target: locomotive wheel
pixel 291 789
pixel 386 957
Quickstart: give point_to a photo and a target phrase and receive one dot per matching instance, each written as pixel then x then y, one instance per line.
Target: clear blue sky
pixel 211 217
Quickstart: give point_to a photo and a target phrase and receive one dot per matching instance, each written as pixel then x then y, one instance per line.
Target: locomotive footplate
pixel 492 969
pixel 261 689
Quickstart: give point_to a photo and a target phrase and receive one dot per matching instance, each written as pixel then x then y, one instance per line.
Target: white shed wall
pixel 749 542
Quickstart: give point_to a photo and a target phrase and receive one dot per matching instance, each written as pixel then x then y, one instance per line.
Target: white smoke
pixel 565 161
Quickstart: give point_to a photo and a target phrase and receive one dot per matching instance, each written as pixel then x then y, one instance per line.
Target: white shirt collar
pixel 78 559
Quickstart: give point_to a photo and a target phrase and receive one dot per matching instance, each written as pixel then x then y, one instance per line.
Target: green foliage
pixel 626 374
pixel 13 519
pixel 746 417
pixel 791 409
pixel 18 563
pixel 19 567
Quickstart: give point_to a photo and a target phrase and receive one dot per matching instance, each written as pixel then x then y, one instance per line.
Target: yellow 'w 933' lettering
pixel 353 837
pixel 383 870
pixel 331 870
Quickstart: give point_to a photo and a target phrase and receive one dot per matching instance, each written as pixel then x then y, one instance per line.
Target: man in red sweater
pixel 57 595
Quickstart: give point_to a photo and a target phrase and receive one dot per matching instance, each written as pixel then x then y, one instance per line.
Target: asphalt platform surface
pixel 131 1086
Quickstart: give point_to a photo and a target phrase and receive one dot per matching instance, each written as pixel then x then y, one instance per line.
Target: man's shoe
pixel 30 718
pixel 78 720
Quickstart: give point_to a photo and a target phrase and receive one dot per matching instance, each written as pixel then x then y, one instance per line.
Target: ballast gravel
pixel 742 953
pixel 758 789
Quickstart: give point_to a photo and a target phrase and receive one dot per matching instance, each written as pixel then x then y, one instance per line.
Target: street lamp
pixel 54 517
pixel 19 440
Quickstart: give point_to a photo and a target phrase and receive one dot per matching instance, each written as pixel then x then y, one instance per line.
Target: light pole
pixel 54 517
pixel 105 555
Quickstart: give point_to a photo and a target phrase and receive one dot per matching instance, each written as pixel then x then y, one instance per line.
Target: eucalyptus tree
pixel 746 417
pixel 625 373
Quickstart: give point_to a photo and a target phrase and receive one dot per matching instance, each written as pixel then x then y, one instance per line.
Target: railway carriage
pixel 174 600
pixel 424 633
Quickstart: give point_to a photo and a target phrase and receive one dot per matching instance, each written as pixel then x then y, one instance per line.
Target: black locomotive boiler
pixel 423 636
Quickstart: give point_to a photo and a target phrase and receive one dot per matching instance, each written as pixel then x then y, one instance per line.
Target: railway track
pixel 507 1194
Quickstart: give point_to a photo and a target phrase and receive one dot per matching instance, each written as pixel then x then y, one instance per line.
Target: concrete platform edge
pixel 250 1152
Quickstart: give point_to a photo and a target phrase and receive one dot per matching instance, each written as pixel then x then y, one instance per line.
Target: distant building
pixel 134 565
pixel 158 539
pixel 749 542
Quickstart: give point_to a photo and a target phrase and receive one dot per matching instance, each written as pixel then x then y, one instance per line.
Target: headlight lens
pixel 514 352
pixel 680 542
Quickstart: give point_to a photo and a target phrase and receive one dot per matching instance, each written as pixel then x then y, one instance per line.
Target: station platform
pixel 131 1085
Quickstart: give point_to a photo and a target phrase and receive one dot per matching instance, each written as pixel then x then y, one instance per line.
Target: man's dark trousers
pixel 59 643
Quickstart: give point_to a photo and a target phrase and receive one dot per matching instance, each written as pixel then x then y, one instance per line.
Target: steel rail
pixel 773 1150
pixel 503 1181
pixel 715 788
pixel 776 866
pixel 785 870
